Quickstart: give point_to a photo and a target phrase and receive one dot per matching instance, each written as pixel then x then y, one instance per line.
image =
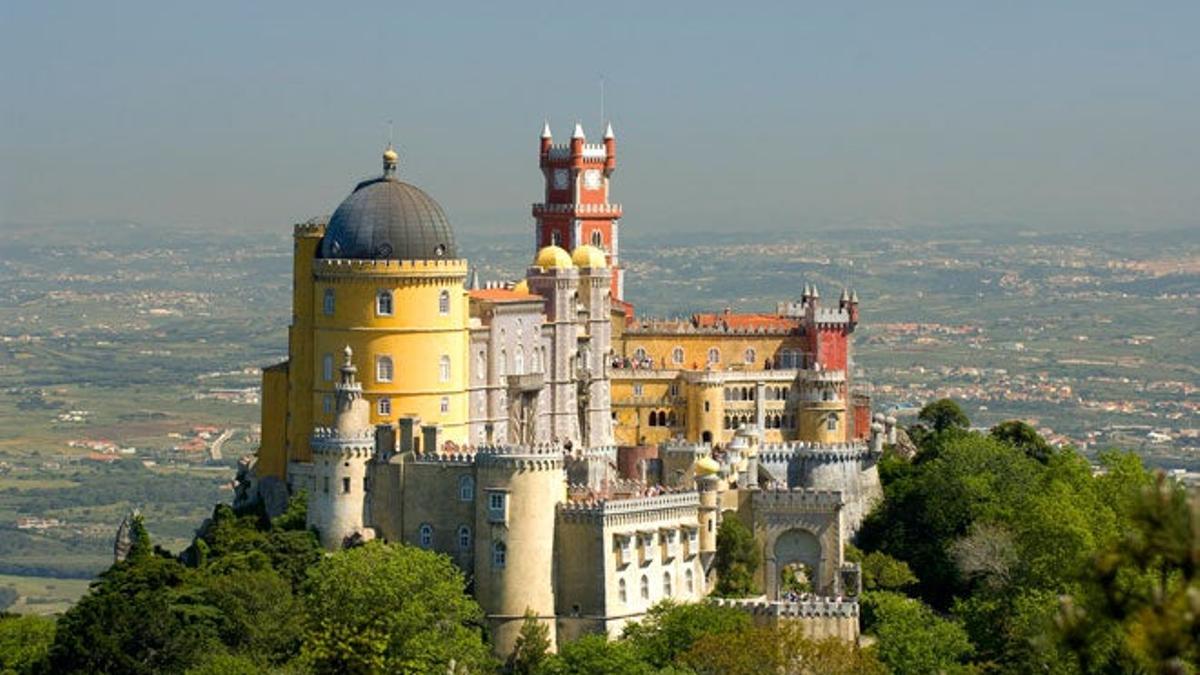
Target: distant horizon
pixel 1072 116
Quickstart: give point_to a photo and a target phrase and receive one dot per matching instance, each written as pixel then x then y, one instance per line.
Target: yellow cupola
pixel 553 257
pixel 588 256
pixel 521 286
pixel 706 466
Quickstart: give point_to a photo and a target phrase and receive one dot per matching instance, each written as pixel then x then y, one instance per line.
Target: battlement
pixel 540 456
pixel 685 327
pixel 446 458
pixel 771 453
pixel 830 315
pixel 594 151
pixel 333 267
pixel 331 434
pixel 802 499
pixel 559 151
pixel 314 227
pixel 822 376
pixel 623 510
pixel 819 607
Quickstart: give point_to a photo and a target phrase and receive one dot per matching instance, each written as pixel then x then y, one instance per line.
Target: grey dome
pixel 388 219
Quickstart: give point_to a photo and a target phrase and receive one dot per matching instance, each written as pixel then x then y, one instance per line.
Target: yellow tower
pixel 384 278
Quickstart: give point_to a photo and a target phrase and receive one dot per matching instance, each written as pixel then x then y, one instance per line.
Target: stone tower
pixel 340 456
pixel 554 277
pixel 514 550
pixel 593 363
pixel 576 208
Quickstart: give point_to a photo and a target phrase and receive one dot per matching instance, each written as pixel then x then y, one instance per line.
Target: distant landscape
pixel 129 354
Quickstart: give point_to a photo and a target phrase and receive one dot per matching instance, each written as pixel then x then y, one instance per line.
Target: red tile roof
pixel 745 321
pixel 502 295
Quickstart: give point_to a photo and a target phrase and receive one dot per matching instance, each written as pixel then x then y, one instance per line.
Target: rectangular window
pixel 497 507
pixel 384 406
pixel 346 485
pixel 445 404
pixel 327 367
pixel 637 389
pixel 328 305
pixel 327 404
pixel 831 423
pixel 325 484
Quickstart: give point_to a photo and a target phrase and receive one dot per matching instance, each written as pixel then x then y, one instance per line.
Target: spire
pixel 815 293
pixel 854 297
pixel 845 297
pixel 578 131
pixel 608 133
pixel 390 159
pixel 473 281
pixel 348 369
pixel 546 129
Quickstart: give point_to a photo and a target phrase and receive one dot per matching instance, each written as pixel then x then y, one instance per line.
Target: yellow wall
pixel 300 346
pixel 659 347
pixel 272 458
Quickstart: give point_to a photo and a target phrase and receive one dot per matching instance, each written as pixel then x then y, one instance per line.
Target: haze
pixel 254 115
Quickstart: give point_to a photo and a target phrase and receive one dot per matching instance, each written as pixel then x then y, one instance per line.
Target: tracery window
pixel 464 538
pixel 645 587
pixel 466 489
pixel 499 554
pixel 383 303
pixel 714 356
pixel 677 355
pixel 425 535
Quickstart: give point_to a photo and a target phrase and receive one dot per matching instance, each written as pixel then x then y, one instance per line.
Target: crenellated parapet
pixel 832 452
pixel 799 500
pixel 632 510
pixel 314 227
pixel 328 442
pixel 340 268
pixel 537 457
pixel 446 458
pixel 605 210
pixel 818 607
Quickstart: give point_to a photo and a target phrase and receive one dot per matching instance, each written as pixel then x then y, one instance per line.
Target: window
pixel 499 554
pixel 827 395
pixel 555 239
pixel 537 360
pixel 706 406
pixel 597 239
pixel 328 304
pixel 677 355
pixel 621 593
pixel 502 364
pixel 325 485
pixel 346 485
pixel 667 584
pixel 464 538
pixel 639 354
pixel 831 423
pixel 327 404
pixel 481 365
pixel 625 546
pixel 383 368
pixel 384 406
pixel 383 303
pixel 750 356
pixel 645 587
pixel 327 367
pixel 714 356
pixel 425 535
pixel 444 368
pixel 519 361
pixel 637 389
pixel 444 405
pixel 444 303
pixel 497 506
pixel 674 390
pixel 689 580
pixel 466 489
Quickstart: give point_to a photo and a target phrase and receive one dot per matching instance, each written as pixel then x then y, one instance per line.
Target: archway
pixel 797 550
pixel 706 437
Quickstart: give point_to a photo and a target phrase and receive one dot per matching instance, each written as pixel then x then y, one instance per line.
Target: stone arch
pixel 796 546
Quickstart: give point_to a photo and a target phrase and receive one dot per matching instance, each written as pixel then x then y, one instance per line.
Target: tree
pixel 782 648
pixel 532 644
pixel 1024 438
pixel 943 414
pixel 737 559
pixel 24 643
pixel 911 638
pixel 595 655
pixel 670 629
pixel 880 571
pixel 391 608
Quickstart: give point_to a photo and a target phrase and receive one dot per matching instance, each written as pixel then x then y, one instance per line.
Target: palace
pixel 573 459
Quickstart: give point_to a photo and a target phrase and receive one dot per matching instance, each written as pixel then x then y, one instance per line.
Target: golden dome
pixel 552 257
pixel 390 155
pixel 588 256
pixel 706 466
pixel 521 286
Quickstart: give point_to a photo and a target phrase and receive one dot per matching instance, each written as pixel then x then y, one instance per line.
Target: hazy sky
pixel 1068 114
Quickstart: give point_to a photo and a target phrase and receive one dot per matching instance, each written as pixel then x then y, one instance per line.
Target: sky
pixel 728 116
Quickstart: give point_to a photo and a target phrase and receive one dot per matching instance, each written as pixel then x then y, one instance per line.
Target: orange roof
pixel 745 321
pixel 502 295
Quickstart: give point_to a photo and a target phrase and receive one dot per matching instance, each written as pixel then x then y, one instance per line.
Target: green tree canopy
pixel 943 414
pixel 911 637
pixel 737 559
pixel 531 647
pixel 391 608
pixel 781 648
pixel 595 655
pixel 24 642
pixel 1024 438
pixel 670 629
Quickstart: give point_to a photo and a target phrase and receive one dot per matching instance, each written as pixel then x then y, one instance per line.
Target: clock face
pixel 591 179
pixel 562 178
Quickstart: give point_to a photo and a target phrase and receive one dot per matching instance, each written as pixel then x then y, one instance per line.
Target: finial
pixel 608 132
pixel 845 296
pixel 347 353
pixel 853 297
pixel 390 159
pixel 578 131
pixel 546 129
pixel 815 292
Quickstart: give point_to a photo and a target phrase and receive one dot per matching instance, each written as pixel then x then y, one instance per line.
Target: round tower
pixel 514 549
pixel 340 454
pixel 822 406
pixel 710 512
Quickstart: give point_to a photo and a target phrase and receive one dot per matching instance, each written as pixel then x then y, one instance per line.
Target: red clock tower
pixel 576 209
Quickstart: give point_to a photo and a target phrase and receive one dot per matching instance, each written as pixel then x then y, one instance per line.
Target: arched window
pixel 464 538
pixel 750 356
pixel 666 584
pixel 671 419
pixel 645 587
pixel 481 365
pixel 499 554
pixel 677 355
pixel 384 406
pixel 639 354
pixel 537 360
pixel 383 368
pixel 426 535
pixel 328 305
pixel 555 239
pixel 728 423
pixel 444 368
pixel 327 367
pixel 502 364
pixel 519 361
pixel 621 593
pixel 831 423
pixel 689 580
pixel 714 356
pixel 466 489
pixel 444 302
pixel 383 303
pixel 598 239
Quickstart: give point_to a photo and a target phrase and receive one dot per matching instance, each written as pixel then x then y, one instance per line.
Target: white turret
pixel 578 131
pixel 608 132
pixel 546 129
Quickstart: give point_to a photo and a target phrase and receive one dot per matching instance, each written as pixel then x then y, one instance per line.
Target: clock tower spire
pixel 575 209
